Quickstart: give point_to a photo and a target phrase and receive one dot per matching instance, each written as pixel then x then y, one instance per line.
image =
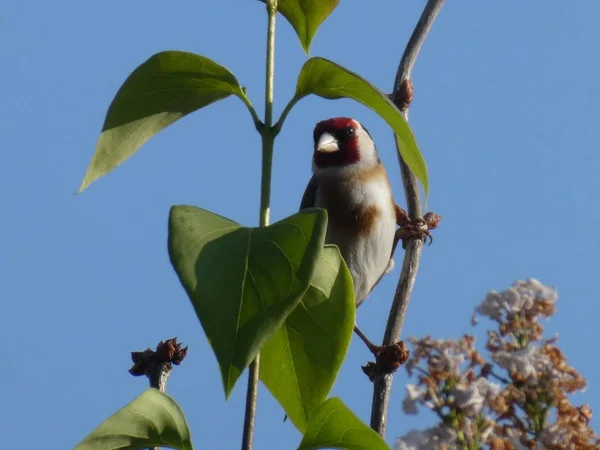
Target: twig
pixel 251 400
pixel 158 364
pixel 414 247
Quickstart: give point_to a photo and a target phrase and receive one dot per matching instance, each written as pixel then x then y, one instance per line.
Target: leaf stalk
pixel 284 114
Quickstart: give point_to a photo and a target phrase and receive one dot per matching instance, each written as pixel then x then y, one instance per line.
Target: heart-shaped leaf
pixel 300 363
pixel 166 87
pixel 152 419
pixel 243 282
pixel 333 425
pixel 306 16
pixel 329 80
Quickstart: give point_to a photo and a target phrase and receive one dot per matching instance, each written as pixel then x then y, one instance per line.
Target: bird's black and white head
pixel 342 145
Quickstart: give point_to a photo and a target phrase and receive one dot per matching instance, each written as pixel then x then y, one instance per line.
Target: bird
pixel 350 182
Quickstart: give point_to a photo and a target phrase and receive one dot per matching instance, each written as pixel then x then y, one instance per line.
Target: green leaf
pixel 333 425
pixel 243 282
pixel 152 419
pixel 168 86
pixel 329 80
pixel 306 16
pixel 300 363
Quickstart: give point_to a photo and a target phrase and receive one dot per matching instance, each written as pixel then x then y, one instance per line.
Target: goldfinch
pixel 350 182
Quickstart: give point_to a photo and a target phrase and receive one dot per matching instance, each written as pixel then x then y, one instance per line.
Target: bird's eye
pixel 349 132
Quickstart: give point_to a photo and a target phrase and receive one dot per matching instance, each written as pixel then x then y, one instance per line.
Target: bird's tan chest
pixel 346 213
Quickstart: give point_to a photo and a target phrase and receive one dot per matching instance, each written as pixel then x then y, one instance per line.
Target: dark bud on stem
pixel 404 96
pixel 167 353
pixel 432 220
pixel 388 359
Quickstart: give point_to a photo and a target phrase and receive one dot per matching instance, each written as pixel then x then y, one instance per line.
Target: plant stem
pixel 255 119
pixel 251 400
pixel 270 74
pixel 158 376
pixel 284 114
pixel 383 383
pixel 267 134
pixel 268 139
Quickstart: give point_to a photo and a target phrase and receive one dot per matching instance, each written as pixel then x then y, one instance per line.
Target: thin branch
pixel 383 383
pixel 251 400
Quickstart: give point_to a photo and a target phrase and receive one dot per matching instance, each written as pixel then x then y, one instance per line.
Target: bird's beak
pixel 327 144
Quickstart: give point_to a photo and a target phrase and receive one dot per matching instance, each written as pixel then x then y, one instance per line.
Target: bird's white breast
pixel 367 254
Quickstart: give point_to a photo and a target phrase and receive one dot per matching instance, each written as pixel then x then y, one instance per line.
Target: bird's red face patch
pixel 343 129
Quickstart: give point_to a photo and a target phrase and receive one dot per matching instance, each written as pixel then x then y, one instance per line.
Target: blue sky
pixel 505 112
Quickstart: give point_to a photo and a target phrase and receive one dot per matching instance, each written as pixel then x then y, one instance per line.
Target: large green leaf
pixel 163 89
pixel 152 419
pixel 300 363
pixel 243 282
pixel 306 16
pixel 329 80
pixel 333 425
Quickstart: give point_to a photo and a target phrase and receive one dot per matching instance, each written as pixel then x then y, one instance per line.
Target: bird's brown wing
pixel 310 194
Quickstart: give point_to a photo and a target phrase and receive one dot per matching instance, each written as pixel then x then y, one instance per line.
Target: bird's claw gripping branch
pixel 415 229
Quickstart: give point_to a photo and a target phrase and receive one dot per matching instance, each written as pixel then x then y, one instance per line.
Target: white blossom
pixel 447 361
pixel 519 297
pixel 535 287
pixel 414 394
pixel 525 362
pixel 436 438
pixel 474 396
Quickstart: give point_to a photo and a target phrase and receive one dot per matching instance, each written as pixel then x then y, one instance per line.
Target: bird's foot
pixel 388 358
pixel 415 229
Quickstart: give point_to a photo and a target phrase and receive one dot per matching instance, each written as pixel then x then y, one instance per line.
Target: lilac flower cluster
pixel 516 399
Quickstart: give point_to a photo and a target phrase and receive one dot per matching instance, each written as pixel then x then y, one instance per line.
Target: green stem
pixel 255 119
pixel 267 134
pixel 268 140
pixel 251 399
pixel 270 75
pixel 286 111
pixel 265 184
